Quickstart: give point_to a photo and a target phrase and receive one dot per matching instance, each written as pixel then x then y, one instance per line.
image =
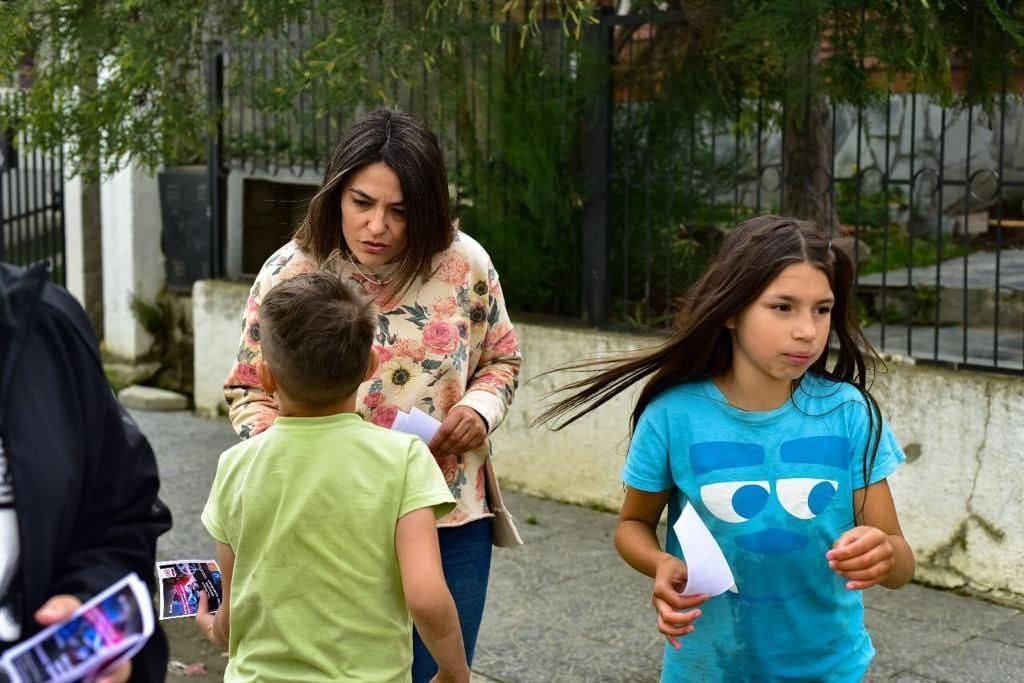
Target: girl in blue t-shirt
pixel 782 454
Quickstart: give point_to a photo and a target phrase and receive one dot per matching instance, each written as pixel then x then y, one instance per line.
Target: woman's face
pixel 373 215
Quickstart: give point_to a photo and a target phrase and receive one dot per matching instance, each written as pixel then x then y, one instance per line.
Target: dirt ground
pixel 188 649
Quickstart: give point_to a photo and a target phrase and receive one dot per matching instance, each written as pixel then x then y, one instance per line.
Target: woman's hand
pixel 673 621
pixel 60 607
pixel 865 555
pixel 462 430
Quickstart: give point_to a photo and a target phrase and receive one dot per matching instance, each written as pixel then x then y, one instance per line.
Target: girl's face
pixel 373 215
pixel 786 329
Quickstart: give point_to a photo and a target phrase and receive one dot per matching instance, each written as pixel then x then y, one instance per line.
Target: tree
pixel 808 54
pixel 120 80
pixel 123 79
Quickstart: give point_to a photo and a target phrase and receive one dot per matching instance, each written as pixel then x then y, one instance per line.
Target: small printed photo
pixel 180 583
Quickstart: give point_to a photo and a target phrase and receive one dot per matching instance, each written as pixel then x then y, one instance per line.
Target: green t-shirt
pixel 309 508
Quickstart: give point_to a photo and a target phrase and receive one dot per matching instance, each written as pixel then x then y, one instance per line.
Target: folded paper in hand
pixel 707 570
pixel 418 423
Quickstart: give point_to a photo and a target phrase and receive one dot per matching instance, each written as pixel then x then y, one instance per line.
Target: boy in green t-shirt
pixel 325 523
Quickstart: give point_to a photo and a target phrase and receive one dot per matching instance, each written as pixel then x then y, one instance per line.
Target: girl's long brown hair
pixel 753 254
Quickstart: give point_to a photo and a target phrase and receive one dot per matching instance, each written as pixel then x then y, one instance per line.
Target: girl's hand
pixel 462 430
pixel 864 554
pixel 669 581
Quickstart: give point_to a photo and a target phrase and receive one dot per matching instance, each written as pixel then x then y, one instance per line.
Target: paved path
pixel 979 343
pixel 564 607
pixel 984 270
pixel 985 346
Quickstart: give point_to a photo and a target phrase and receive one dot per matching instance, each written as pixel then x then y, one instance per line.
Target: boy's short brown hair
pixel 316 333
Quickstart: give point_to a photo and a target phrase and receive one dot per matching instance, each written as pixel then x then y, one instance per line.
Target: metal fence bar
pixel 215 154
pixel 938 240
pixel 60 226
pixel 999 213
pixel 885 195
pixel 596 165
pixel 31 197
pixel 909 293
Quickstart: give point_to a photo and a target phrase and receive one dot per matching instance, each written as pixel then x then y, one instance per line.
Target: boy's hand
pixel 864 555
pixel 206 621
pixel 669 581
pixel 60 607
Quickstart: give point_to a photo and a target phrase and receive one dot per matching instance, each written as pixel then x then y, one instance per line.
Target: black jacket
pixel 85 479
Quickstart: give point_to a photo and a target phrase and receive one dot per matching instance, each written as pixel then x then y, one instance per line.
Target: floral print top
pixel 447 341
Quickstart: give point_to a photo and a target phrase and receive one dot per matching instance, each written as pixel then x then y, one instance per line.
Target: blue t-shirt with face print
pixel 775 489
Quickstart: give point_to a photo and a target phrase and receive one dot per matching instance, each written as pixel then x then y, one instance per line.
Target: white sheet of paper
pixel 707 569
pixel 417 422
pixel 399 424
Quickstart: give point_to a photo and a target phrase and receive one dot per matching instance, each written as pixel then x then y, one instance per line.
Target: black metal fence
pixel 31 200
pixel 507 116
pixel 601 187
pixel 926 196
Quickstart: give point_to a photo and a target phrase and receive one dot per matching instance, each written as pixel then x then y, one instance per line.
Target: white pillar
pixel 133 261
pixel 74 239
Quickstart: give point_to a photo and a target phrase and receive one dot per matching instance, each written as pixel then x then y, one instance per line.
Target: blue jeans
pixel 466 559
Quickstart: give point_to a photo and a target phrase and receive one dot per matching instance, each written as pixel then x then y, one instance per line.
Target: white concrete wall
pixel 217 308
pixel 133 261
pixel 581 463
pixel 960 496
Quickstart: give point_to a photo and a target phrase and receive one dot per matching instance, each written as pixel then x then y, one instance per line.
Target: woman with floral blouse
pixel 381 220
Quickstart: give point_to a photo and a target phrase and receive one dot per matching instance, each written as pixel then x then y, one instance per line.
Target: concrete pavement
pixel 564 607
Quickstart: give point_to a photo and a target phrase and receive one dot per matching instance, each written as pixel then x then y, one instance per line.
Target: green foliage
pixel 172 341
pixel 893 247
pixel 154 318
pixel 517 177
pixel 120 80
pixel 123 80
pixel 110 80
pixel 867 208
pixel 752 46
pixel 673 195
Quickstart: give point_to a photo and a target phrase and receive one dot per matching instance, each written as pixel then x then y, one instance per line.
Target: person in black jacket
pixel 78 481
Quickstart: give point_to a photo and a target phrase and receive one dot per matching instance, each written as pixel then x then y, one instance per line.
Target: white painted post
pixel 74 239
pixel 133 261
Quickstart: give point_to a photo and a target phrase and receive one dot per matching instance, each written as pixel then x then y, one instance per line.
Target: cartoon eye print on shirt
pixel 806 497
pixel 739 501
pixel 735 501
